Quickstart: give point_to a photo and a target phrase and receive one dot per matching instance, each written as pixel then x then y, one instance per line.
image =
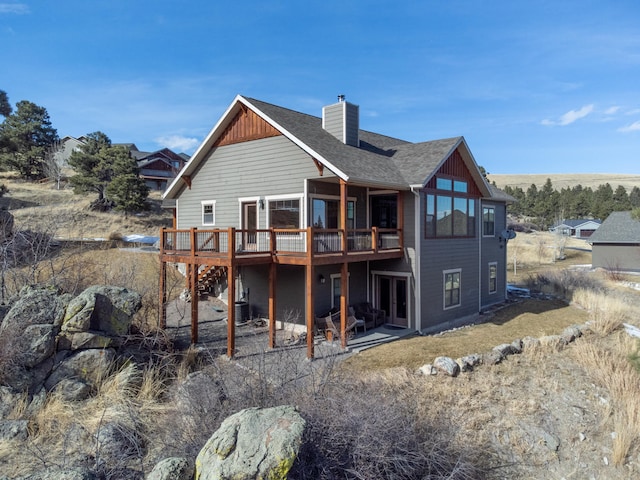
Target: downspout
pixel 417 295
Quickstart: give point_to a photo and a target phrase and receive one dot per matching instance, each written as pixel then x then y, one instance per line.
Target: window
pixel 488 221
pixel 284 213
pixel 493 277
pixel 325 213
pixel 336 283
pixel 449 212
pixel 208 212
pixel 451 288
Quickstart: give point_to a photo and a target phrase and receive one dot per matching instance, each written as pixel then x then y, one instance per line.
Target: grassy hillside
pixel 564 180
pixel 43 207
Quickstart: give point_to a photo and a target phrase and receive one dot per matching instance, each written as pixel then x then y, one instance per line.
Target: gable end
pixel 454 166
pixel 245 126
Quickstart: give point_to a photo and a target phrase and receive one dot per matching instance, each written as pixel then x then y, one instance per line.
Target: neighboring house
pixel 297 215
pixel 616 244
pixel 65 147
pixel 159 168
pixel 579 228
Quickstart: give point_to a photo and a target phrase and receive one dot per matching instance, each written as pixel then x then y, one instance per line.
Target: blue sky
pixel 534 86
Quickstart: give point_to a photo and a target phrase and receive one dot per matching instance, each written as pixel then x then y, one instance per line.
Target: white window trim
pixel 444 288
pixel 202 205
pixel 489 275
pixel 484 205
pixel 295 196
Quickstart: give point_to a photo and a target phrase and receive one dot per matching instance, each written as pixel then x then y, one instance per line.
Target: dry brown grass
pixel 527 318
pixel 34 204
pixel 566 180
pixel 608 364
pixel 529 252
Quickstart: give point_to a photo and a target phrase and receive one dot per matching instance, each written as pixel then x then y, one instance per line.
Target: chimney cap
pixel 341 98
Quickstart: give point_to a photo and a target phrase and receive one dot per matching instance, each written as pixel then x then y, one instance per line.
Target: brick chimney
pixel 342 120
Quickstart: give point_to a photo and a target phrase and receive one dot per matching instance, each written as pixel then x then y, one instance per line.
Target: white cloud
pixel 570 117
pixel 634 127
pixel 17 8
pixel 612 110
pixel 178 143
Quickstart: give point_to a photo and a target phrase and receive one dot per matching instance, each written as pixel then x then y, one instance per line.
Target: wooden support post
pixel 344 308
pixel 231 289
pixel 343 215
pixel 374 239
pixel 309 294
pixel 272 305
pixel 310 313
pixel 194 303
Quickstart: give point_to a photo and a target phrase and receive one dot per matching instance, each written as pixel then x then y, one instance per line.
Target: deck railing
pixel 220 242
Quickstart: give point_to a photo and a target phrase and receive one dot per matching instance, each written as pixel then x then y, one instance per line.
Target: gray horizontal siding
pixel 494 249
pixel 272 166
pixel 438 256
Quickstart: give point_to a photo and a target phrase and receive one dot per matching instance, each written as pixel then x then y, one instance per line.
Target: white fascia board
pixel 295 140
pixel 204 148
pixel 475 171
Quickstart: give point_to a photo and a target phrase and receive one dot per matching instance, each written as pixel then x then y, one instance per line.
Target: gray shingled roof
pixel 619 227
pixel 379 160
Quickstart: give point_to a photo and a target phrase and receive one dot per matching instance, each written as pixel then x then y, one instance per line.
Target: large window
pixel 451 288
pixel 284 213
pixel 208 212
pixel 493 277
pixel 449 211
pixel 488 221
pixel 325 213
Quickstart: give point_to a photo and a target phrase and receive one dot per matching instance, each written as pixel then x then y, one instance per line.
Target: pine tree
pixel 93 165
pixel 127 189
pixel 25 137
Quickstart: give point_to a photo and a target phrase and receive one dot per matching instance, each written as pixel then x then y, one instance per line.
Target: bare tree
pixel 52 166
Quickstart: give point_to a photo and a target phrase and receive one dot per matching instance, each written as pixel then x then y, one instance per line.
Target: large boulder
pixel 103 308
pixel 172 468
pixel 252 444
pixel 86 366
pixel 27 337
pixel 34 306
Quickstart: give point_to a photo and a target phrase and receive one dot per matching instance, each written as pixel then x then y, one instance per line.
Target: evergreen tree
pixel 5 106
pixel 25 137
pixel 634 197
pixel 621 201
pixel 93 164
pixel 127 189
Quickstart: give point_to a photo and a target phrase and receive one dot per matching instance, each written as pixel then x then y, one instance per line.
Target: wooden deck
pixel 230 248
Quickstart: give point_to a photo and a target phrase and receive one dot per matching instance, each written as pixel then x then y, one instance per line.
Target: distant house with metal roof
pixel 616 244
pixel 579 228
pixel 299 215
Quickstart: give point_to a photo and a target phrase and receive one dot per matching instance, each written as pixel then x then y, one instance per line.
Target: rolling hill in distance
pixel 566 180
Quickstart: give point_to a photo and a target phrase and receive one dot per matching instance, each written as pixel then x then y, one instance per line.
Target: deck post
pixel 231 291
pixel 343 216
pixel 194 303
pixel 344 282
pixel 309 269
pixel 272 304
